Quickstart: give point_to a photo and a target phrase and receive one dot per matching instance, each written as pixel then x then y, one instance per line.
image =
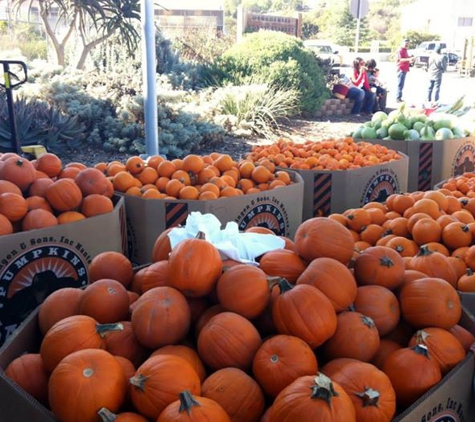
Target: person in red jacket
pixel 403 63
pixel 360 80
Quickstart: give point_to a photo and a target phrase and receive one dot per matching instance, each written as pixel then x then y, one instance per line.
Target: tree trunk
pixel 59 47
pixel 87 49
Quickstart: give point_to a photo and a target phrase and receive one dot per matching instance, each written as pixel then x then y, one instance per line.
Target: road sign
pixel 359 8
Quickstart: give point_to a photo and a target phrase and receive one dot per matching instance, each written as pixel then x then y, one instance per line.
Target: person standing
pixel 403 64
pixel 437 66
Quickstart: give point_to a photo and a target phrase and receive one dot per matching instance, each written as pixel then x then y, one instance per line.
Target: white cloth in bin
pixel 242 247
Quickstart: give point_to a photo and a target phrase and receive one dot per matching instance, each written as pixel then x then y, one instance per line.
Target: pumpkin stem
pixel 465 228
pixel 103 329
pixel 284 285
pixel 369 397
pixel 138 381
pixel 421 337
pixel 200 235
pixel 421 349
pixel 424 251
pixel 368 321
pixel 106 415
pixel 273 281
pixel 385 261
pixel 187 401
pixel 323 388
pixel 469 271
pixel 351 308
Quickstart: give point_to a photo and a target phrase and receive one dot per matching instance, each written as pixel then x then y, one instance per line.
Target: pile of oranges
pixel 328 154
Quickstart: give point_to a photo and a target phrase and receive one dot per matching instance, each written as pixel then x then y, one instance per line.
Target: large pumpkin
pixel 161 317
pixel 195 266
pixel 30 374
pixel 369 389
pixel 237 393
pixel 64 195
pixel 158 381
pixel 379 265
pixel 313 398
pixel 106 301
pixel 333 279
pixel 281 360
pixel 243 289
pixel 60 304
pixel 304 311
pixel 381 305
pixel 83 383
pixel 430 302
pixel 323 237
pixel 442 345
pixel 356 337
pixel 228 340
pixel 412 373
pixel 193 409
pixel 71 334
pixel 282 263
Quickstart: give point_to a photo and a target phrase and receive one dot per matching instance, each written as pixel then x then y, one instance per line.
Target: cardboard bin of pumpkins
pixel 439 146
pixel 53 222
pixel 161 194
pixel 338 174
pixel 314 366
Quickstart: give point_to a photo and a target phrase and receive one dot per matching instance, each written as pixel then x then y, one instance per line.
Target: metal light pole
pixel 149 78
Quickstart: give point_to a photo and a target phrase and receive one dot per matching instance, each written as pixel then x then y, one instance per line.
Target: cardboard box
pixel 327 192
pixel 35 263
pixel 468 301
pixel 430 162
pixel 278 209
pixel 451 399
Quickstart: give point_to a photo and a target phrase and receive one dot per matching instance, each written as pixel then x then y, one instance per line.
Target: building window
pixel 465 21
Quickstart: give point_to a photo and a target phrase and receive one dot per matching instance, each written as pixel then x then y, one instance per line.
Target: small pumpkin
pixel 64 195
pixel 412 373
pixel 91 181
pixel 19 171
pixel 124 343
pixel 187 353
pixel 30 374
pixel 83 383
pixel 107 416
pixel 70 334
pixel 243 289
pixel 281 360
pixel 305 312
pixel 158 381
pixel 195 266
pixel 161 316
pixel 313 398
pixel 237 393
pixel 282 263
pixel 112 265
pixel 311 240
pixel 193 409
pixel 228 339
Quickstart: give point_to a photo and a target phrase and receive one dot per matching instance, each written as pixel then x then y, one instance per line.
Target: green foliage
pixel 280 60
pixel 39 123
pixel 416 37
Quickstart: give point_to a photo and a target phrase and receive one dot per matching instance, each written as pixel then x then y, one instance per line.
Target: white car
pixel 324 51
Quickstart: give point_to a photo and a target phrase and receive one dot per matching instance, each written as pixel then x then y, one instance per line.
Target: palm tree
pixel 93 21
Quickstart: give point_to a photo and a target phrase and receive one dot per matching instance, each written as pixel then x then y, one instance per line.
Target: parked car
pixel 324 50
pixel 424 50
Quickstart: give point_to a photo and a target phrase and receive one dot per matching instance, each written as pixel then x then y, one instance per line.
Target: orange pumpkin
pixel 190 408
pixel 280 361
pixel 64 195
pixel 195 266
pixel 237 393
pixel 282 263
pixel 83 383
pixel 187 353
pixel 311 240
pixel 113 265
pixel 158 381
pixel 313 398
pixel 91 181
pixel 49 163
pixel 19 171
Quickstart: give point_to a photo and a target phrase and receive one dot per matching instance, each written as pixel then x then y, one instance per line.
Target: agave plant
pixel 39 124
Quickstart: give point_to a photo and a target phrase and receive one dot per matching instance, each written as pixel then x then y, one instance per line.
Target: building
pixel 452 20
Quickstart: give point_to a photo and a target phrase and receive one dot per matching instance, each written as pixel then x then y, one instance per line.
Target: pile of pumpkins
pixel 353 320
pixel 400 125
pixel 193 177
pixel 40 193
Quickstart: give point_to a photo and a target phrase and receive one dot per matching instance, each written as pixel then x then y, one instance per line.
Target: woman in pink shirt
pixel 360 80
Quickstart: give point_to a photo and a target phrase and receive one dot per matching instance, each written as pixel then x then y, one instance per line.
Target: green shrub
pixel 277 58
